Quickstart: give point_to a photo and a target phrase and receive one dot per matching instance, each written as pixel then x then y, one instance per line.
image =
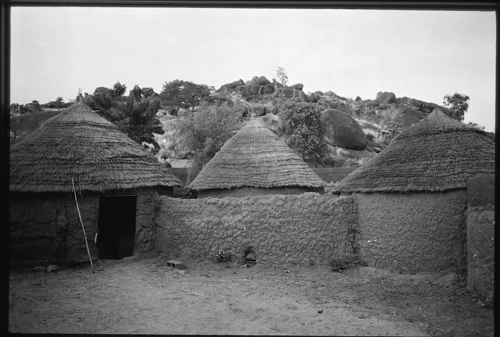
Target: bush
pixel 207 130
pixel 302 128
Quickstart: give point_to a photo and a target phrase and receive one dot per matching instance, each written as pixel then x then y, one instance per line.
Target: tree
pixel 207 130
pixel 135 94
pixel 283 77
pixel 135 117
pixel 183 94
pixel 119 89
pixel 302 128
pixel 59 103
pixel 458 104
pixel 35 106
pixel 138 119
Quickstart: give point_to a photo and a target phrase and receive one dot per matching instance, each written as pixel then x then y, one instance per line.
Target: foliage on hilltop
pixel 205 131
pixel 189 120
pixel 134 115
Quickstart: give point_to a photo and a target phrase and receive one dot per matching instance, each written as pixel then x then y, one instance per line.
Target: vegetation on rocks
pixel 205 131
pixel 302 128
pixel 192 121
pixel 134 115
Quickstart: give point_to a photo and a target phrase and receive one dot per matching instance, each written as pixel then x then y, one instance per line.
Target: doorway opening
pixel 116 226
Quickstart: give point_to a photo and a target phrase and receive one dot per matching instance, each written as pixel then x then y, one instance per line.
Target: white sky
pixel 55 51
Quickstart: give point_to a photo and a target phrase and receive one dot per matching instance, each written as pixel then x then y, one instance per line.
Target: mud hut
pixel 255 161
pixel 412 197
pixel 77 152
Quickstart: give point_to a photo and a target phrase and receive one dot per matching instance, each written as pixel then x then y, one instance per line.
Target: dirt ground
pixel 139 295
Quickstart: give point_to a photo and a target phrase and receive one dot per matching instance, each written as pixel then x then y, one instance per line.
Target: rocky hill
pixel 357 129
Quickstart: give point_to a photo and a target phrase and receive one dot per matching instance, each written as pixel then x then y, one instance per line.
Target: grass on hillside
pixel 27 123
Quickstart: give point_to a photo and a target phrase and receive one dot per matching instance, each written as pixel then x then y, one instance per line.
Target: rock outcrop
pixel 386 97
pixel 427 107
pixel 148 91
pixel 259 110
pixel 342 130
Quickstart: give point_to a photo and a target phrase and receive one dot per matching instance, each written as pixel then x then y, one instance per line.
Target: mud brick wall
pixel 45 227
pixel 415 232
pixel 282 229
pixel 480 235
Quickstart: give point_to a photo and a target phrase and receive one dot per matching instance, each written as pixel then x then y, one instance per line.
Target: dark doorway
pixel 116 226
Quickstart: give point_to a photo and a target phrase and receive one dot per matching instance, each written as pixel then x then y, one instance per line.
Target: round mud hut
pixel 412 197
pixel 79 168
pixel 255 161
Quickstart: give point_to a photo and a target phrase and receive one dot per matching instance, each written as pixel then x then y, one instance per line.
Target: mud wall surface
pixel 480 235
pixel 145 228
pixel 282 229
pixel 418 232
pixel 249 191
pixel 45 227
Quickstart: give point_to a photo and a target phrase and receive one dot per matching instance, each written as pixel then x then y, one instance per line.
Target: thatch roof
pixel 436 154
pixel 255 157
pixel 79 144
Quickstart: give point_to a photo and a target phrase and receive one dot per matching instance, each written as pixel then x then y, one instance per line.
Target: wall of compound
pixel 282 229
pixel 253 191
pixel 480 235
pixel 414 232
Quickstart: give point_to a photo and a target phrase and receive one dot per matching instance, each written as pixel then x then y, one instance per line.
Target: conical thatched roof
pixel 79 144
pixel 255 157
pixel 436 154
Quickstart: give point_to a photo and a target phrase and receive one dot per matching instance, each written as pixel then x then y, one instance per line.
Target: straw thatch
pixel 255 157
pixel 79 144
pixel 436 154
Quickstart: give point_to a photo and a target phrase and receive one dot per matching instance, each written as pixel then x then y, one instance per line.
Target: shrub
pixel 207 130
pixel 302 128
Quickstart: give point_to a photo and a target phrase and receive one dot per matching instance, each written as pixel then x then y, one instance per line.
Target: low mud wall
pixel 253 191
pixel 480 235
pixel 415 232
pixel 282 229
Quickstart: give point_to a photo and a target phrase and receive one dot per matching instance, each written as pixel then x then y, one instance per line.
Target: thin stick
pixel 83 228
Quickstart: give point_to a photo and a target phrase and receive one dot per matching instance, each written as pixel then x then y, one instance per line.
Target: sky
pixel 421 54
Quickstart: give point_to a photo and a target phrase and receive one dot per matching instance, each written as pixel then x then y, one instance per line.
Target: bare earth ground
pixel 138 295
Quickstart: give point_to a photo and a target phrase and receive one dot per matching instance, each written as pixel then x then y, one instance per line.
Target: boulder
pixel 244 90
pixel 287 93
pixel 375 145
pixel 259 110
pixel 386 97
pixel 299 94
pixel 427 107
pixel 298 86
pixel 147 91
pixel 411 117
pixel 343 130
pixel 370 149
pixel 293 93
